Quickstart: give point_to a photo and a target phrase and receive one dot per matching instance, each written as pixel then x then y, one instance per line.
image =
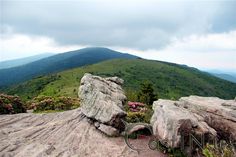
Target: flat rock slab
pixel 61 134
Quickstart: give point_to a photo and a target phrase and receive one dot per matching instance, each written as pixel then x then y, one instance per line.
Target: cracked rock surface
pixel 207 116
pixel 64 134
pixel 102 99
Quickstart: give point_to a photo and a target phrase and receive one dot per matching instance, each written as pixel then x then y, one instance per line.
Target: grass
pixel 170 81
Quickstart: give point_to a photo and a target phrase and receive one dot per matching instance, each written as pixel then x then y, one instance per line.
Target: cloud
pixel 209 51
pixel 19 46
pixel 133 24
pixel 196 33
pixel 205 43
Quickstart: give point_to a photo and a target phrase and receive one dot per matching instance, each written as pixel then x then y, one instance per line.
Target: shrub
pixel 131 95
pixel 146 94
pixel 215 151
pixel 133 117
pixel 11 104
pixel 138 116
pixel 148 115
pixel 46 103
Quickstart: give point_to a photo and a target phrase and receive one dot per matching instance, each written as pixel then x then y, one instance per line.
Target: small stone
pixel 108 130
pixel 96 124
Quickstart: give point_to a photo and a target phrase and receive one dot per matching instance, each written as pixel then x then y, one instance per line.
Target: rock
pixel 116 80
pixel 218 113
pixel 170 122
pixel 108 130
pixel 208 116
pixel 103 99
pixel 136 128
pixel 62 134
pixel 57 134
pixel 96 124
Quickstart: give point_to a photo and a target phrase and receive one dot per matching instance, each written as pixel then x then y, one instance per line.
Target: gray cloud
pixel 134 24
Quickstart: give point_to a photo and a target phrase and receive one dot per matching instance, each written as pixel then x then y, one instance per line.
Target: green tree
pixel 146 93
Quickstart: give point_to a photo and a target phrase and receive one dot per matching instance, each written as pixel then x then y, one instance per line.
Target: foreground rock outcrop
pixel 207 116
pixel 63 134
pixel 102 100
pixel 76 132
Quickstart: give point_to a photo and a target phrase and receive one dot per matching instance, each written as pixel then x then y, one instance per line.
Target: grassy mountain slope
pixel 58 63
pixel 22 61
pixel 169 80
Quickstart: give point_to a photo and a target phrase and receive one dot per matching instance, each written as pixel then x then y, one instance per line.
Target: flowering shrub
pixel 138 112
pixel 11 104
pixel 44 103
pixel 137 106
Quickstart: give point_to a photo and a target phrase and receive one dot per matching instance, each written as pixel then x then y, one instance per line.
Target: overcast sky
pixel 198 33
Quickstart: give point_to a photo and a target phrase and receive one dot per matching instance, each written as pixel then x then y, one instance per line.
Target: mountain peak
pixel 59 62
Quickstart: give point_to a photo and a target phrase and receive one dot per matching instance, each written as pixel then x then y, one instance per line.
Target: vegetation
pixel 11 104
pixel 146 93
pixel 134 117
pixel 225 150
pixel 58 63
pixel 33 88
pixel 49 104
pixel 172 81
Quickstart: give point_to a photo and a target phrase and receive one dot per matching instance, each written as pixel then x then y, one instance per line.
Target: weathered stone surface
pixel 218 113
pixel 63 134
pixel 58 134
pixel 102 99
pixel 108 130
pixel 195 115
pixel 170 121
pixel 96 124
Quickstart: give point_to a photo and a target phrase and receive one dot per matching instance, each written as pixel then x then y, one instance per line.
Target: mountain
pixel 58 63
pixel 225 77
pixel 169 80
pixel 228 75
pixel 22 61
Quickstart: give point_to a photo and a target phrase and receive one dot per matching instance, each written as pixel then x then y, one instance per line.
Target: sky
pixel 199 33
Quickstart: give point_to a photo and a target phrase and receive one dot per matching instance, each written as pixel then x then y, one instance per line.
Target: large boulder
pixel 170 122
pixel 218 113
pixel 211 117
pixel 102 99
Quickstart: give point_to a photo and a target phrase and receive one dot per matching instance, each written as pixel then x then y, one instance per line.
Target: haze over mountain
pixel 22 61
pixel 225 77
pixel 58 63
